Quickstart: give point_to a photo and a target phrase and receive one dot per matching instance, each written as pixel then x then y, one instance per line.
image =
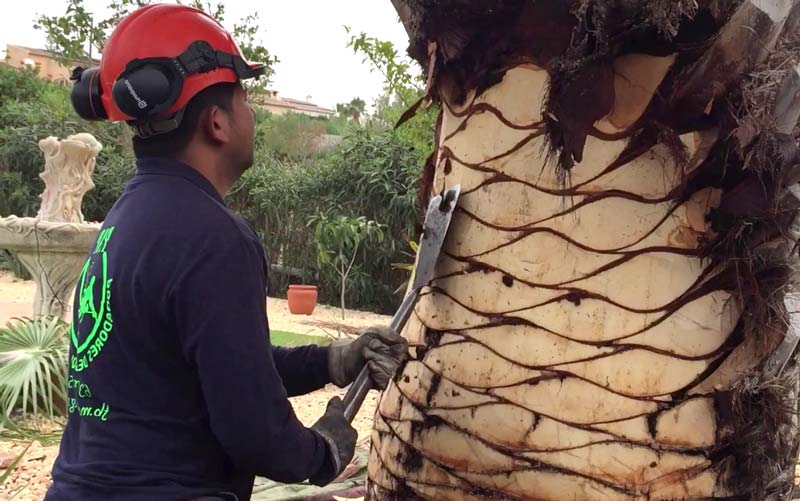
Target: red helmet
pixel 156 60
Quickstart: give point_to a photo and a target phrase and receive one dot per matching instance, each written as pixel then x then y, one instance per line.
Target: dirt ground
pixel 16 300
pixel 31 477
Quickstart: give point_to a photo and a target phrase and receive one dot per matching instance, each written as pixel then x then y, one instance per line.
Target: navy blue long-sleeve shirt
pixel 174 388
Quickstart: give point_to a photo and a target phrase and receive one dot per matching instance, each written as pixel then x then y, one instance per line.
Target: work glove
pixel 381 349
pixel 340 437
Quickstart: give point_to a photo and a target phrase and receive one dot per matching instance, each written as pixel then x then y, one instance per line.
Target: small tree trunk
pixel 344 280
pixel 343 274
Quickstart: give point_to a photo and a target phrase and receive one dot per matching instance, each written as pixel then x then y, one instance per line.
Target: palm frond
pixel 33 365
pixel 13 466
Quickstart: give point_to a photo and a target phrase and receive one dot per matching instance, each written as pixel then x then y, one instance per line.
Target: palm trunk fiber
pixel 604 321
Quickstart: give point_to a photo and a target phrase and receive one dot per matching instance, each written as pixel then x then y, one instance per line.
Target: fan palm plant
pixel 33 366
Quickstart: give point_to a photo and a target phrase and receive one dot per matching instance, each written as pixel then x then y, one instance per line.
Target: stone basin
pixel 53 253
pixel 54 245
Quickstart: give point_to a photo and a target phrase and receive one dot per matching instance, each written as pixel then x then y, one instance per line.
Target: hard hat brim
pixel 254 70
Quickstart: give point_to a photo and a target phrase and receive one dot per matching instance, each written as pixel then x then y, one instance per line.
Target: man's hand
pixel 381 349
pixel 341 439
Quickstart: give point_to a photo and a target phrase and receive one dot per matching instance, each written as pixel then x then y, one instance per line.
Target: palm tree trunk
pixel 611 298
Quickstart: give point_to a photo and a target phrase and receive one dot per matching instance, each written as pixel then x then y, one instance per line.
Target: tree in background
pixel 403 89
pixel 403 82
pixel 339 242
pixel 355 109
pixel 76 36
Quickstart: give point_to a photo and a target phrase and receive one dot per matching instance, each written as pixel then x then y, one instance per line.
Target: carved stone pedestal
pixel 54 245
pixel 55 275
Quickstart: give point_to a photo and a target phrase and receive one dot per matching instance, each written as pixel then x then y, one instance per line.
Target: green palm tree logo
pixel 87 301
pixel 92 298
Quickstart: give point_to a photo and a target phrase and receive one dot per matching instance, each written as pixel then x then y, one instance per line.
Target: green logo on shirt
pixel 78 404
pixel 93 324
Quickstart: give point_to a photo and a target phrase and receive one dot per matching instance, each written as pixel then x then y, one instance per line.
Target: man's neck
pixel 218 177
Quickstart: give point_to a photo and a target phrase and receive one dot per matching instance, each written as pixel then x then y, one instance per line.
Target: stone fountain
pixel 54 245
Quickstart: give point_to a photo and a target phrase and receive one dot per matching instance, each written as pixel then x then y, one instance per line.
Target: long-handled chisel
pixel 437 221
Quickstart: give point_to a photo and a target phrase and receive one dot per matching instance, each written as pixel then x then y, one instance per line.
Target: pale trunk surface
pixel 579 344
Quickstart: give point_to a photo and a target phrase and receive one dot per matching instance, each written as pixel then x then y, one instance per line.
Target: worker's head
pixel 174 75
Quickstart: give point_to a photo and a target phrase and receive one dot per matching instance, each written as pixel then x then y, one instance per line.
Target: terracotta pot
pixel 302 299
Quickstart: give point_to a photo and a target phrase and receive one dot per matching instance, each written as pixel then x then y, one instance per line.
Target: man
pixel 175 392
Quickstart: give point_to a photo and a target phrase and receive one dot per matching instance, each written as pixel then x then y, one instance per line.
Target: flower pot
pixel 302 299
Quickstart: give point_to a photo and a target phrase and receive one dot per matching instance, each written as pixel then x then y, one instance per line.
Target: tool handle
pixel 360 387
pixel 356 394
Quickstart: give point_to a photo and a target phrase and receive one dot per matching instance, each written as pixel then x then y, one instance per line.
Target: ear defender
pixel 85 95
pixel 147 89
pixel 142 92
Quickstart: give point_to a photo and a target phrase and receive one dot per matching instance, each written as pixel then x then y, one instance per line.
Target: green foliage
pixel 38 430
pixel 73 36
pixel 217 11
pixel 339 241
pixel 13 466
pixel 337 125
pixel 292 136
pixel 374 174
pixel 399 80
pixel 340 237
pixel 291 340
pixel 20 85
pixel 354 109
pixel 408 266
pixel 33 366
pixel 9 261
pixel 76 35
pixel 245 33
pixel 404 85
pixel 36 110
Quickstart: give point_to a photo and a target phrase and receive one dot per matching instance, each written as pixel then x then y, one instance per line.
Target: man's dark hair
pixel 173 144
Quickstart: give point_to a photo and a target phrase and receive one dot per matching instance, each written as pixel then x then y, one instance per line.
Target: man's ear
pixel 216 125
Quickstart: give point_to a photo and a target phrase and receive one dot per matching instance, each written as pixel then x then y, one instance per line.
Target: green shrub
pixel 9 261
pixel 291 136
pixel 43 109
pixel 374 174
pixel 20 85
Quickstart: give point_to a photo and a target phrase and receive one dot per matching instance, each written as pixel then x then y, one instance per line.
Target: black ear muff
pixel 85 95
pixel 143 91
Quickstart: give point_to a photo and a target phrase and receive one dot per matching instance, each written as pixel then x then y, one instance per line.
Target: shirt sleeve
pixel 220 314
pixel 303 369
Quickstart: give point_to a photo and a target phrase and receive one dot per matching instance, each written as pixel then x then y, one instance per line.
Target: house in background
pixel 271 102
pixel 18 56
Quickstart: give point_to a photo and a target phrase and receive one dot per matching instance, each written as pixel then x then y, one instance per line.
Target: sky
pixel 308 37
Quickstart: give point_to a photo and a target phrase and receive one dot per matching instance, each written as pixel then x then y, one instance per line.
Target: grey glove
pixel 340 437
pixel 381 349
